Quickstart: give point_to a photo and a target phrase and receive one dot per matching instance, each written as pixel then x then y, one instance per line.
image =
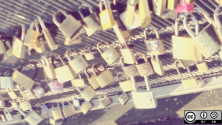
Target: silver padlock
pixel 123 98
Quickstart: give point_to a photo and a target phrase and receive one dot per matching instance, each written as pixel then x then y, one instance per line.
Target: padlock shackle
pixel 146 80
pixel 81 7
pixel 206 15
pixel 188 69
pixel 106 3
pixel 121 61
pixel 124 76
pixel 154 30
pixel 100 51
pixel 133 83
pixel 36 26
pixel 216 19
pixel 93 69
pixel 54 17
pixel 62 60
pixel 41 23
pixel 23 33
pixel 175 63
pixel 144 57
pixel 36 68
pixel 67 54
pixel 190 32
pixel 87 48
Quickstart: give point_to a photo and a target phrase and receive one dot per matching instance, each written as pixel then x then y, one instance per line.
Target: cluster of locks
pixel 198 47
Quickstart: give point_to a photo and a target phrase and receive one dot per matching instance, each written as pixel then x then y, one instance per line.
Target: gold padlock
pixel 57 113
pixel 78 63
pixel 159 6
pixel 127 54
pixel 88 93
pixel 64 73
pixel 33 118
pixel 105 101
pixel 68 110
pixel 31 36
pixel 144 69
pixel 86 106
pixel 144 13
pixel 110 55
pixel 126 86
pixel 48 68
pixel 89 55
pixel 187 83
pixel 130 11
pixel 202 67
pixel 106 16
pixel 157 65
pixel 104 78
pixel 92 80
pixel 12 94
pixel 172 4
pixel 129 70
pixel 78 82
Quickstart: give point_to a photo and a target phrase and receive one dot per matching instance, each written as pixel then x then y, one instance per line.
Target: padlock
pixel 157 65
pixel 56 112
pixel 183 7
pixel 104 78
pixel 144 69
pixel 126 86
pixel 123 98
pixel 145 99
pixel 106 16
pixel 6 81
pixel 18 48
pixel 218 26
pixel 68 110
pixel 159 6
pixel 25 105
pixel 110 55
pixel 33 118
pixel 88 93
pixel 187 83
pixel 47 35
pixel 70 26
pixel 202 67
pixel 48 68
pixel 2 47
pixel 172 4
pixel 183 47
pixel 128 54
pixel 92 80
pixel 105 101
pixel 39 91
pixel 27 94
pixel 136 22
pixel 129 70
pixel 78 63
pixel 55 85
pixel 130 11
pixel 64 73
pixel 191 1
pixel 155 46
pixel 85 107
pixel 31 36
pixel 206 41
pixel 90 22
pixel 78 82
pixel 89 55
pixel 144 13
pixel 12 94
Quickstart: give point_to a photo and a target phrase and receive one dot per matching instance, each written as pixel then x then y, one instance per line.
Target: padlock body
pixel 110 55
pixel 144 100
pixel 49 40
pixel 172 4
pixel 6 82
pixel 57 114
pixel 157 67
pixel 207 41
pixel 131 70
pixel 85 107
pixel 91 24
pixel 128 56
pixel 126 86
pixel 136 22
pixel 105 102
pixel 78 64
pixel 18 48
pixel 64 74
pixel 89 56
pixel 69 111
pixel 105 78
pixel 159 6
pixel 31 38
pixel 33 118
pixel 92 80
pixel 183 6
pixel 145 69
pixel 88 93
pixel 144 13
pixel 189 83
pixel 123 98
pixel 78 82
pixel 154 47
pixel 202 67
pixel 22 80
pixel 25 105
pixel 107 19
pixel 49 71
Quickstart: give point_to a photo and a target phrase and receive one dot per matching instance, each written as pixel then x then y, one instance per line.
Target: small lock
pixel 31 36
pixel 105 101
pixel 123 98
pixel 68 110
pixel 145 69
pixel 57 113
pixel 157 65
pixel 126 86
pixel 85 107
pixel 202 67
pixel 78 82
pixel 88 93
pixel 92 80
pixel 89 55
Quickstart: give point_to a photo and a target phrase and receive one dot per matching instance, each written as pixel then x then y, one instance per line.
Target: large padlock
pixel 123 98
pixel 106 16
pixel 78 82
pixel 68 110
pixel 157 65
pixel 48 68
pixel 47 35
pixel 56 112
pixel 78 63
pixel 172 4
pixel 92 80
pixel 159 6
pixel 155 46
pixel 2 47
pixel 86 106
pixel 64 73
pixel 33 118
pixel 206 40
pixel 6 81
pixel 130 70
pixel 70 26
pixel 31 36
pixel 105 101
pixel 136 22
pixel 126 86
pixel 145 69
pixel 183 6
pixel 89 55
pixel 110 55
pixel 187 83
pixel 218 26
pixel 144 13
pixel 128 54
pixel 104 78
pixel 183 47
pixel 12 94
pixel 25 105
pixel 202 67
pixel 18 48
pixel 88 93
pixel 90 22
pixel 130 11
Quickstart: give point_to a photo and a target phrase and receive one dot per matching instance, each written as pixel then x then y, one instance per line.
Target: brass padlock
pixel 48 68
pixel 144 13
pixel 172 4
pixel 206 41
pixel 56 112
pixel 33 118
pixel 88 93
pixel 106 16
pixel 90 23
pixel 12 94
pixel 86 106
pixel 110 55
pixel 31 36
pixel 47 35
pixel 128 54
pixel 155 46
pixel 159 6
pixel 70 26
pixel 2 47
pixel 78 82
pixel 157 65
pixel 25 105
pixel 130 11
pixel 126 86
pixel 104 78
pixel 68 110
pixel 78 63
pixel 18 48
pixel 123 98
pixel 5 81
pixel 217 24
pixel 64 73
pixel 129 70
pixel 187 83
pixel 202 67
pixel 144 69
pixel 92 80
pixel 105 101
pixel 89 55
